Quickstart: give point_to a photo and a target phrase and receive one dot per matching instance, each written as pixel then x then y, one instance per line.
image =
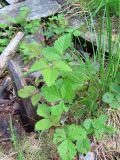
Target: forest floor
pixel 18 144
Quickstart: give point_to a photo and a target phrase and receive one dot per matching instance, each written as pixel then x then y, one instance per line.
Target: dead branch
pixel 9 51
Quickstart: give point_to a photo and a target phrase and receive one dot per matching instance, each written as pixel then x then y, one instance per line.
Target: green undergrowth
pixel 79 92
pixel 17 24
pixel 77 89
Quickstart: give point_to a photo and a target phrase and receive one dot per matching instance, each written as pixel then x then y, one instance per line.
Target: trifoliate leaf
pixel 35 98
pixel 27 91
pixel 43 110
pixel 51 93
pixel 107 97
pixel 67 150
pixel 83 146
pixel 39 65
pixel 61 65
pixel 43 125
pixel 50 75
pixel 63 43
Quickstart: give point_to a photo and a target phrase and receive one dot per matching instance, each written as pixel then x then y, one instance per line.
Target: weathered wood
pixel 9 51
pixel 28 113
pixel 38 9
pixel 4 101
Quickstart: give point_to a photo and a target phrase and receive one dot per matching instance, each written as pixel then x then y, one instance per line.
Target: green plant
pixel 21 22
pixel 64 80
pixel 113 96
pixel 55 25
pixel 5 32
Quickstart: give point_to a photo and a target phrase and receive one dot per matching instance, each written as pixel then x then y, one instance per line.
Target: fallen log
pixel 9 51
pixel 27 111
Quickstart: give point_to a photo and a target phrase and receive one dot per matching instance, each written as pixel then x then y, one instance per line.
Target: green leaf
pixel 51 53
pixel 57 110
pixel 83 146
pixel 87 123
pixel 51 93
pixel 50 75
pixel 118 97
pixel 107 97
pixel 67 150
pixel 109 129
pixel 114 87
pixel 27 91
pixel 43 110
pixel 63 43
pixel 61 65
pixel 43 125
pixel 115 104
pixel 65 87
pixel 117 78
pixel 75 132
pixel 99 123
pixel 59 135
pixel 76 33
pixel 39 65
pixel 35 98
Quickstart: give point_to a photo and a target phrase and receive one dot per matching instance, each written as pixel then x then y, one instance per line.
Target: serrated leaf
pixel 87 123
pixel 102 119
pixel 43 125
pixel 50 75
pixel 75 132
pixel 83 146
pixel 35 98
pixel 65 87
pixel 67 150
pixel 51 53
pixel 61 65
pixel 58 109
pixel 51 93
pixel 63 43
pixel 59 135
pixel 107 97
pixel 27 91
pixel 115 104
pixel 39 65
pixel 43 110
